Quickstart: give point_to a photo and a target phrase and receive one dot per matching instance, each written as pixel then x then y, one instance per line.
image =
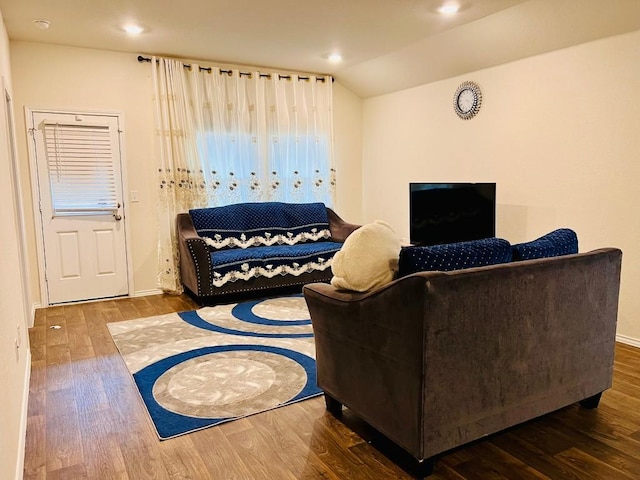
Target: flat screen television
pixel 451 212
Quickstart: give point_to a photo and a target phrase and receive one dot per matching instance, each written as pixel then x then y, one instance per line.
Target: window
pixel 234 171
pixel 81 170
pixel 262 137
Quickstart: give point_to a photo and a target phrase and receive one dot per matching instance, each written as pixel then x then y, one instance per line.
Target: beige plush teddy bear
pixel 368 258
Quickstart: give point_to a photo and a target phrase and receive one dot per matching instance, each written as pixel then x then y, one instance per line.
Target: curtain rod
pixel 142 59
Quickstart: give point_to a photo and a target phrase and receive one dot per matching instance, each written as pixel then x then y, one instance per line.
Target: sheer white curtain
pixel 299 135
pixel 227 111
pixel 181 184
pixel 229 136
pixel 265 137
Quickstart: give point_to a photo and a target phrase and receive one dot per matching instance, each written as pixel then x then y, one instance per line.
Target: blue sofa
pixel 256 246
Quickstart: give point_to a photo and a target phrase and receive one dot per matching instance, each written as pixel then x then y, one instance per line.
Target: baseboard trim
pixel 634 342
pixel 140 293
pixel 23 419
pixel 146 293
pixel 32 317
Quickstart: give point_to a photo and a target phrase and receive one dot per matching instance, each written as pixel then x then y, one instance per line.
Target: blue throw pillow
pixel 563 241
pixel 454 256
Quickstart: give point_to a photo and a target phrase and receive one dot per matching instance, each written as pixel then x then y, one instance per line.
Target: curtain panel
pixel 230 136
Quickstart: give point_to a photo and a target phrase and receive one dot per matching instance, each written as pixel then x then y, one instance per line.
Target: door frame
pixel 35 193
pixel 14 169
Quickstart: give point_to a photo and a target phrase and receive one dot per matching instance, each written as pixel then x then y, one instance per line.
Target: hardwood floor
pixel 86 420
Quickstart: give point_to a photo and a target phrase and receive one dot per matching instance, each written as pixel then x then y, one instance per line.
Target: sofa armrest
pixel 340 229
pixel 369 353
pixel 195 260
pixel 387 320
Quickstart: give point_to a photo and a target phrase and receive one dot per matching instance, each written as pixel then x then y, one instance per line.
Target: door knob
pixel 116 215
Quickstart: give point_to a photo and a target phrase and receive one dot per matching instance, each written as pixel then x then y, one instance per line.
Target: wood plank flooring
pixel 86 420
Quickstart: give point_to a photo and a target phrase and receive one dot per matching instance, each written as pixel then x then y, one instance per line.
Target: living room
pixel 557 131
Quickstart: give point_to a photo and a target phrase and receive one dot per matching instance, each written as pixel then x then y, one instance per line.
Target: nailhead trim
pixel 190 244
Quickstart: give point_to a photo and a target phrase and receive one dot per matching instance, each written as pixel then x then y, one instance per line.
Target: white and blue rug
pixel 201 368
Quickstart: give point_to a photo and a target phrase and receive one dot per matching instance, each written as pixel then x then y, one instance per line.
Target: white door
pixel 80 191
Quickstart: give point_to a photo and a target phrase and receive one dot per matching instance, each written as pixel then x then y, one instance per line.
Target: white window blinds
pixel 81 169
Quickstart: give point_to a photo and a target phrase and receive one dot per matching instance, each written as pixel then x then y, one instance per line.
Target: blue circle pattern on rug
pixel 243 311
pixel 170 424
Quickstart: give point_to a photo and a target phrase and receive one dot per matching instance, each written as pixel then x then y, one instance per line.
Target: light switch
pixel 134 196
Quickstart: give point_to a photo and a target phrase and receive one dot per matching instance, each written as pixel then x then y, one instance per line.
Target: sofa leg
pixel 423 468
pixel 333 406
pixel 591 402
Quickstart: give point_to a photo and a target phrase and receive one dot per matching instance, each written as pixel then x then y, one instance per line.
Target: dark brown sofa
pixel 434 360
pixel 197 273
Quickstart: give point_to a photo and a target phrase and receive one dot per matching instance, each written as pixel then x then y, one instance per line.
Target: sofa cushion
pixel 454 256
pixel 268 261
pixel 368 259
pixel 563 241
pixel 266 223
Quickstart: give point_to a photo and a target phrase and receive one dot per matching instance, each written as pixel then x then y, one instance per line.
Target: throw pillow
pixel 562 241
pixel 454 256
pixel 368 258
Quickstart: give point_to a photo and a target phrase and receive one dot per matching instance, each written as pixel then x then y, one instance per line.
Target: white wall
pixel 57 77
pixel 14 362
pixel 347 127
pixel 559 133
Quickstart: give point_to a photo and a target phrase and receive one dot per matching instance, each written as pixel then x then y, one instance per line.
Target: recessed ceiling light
pixel 335 57
pixel 449 8
pixel 42 24
pixel 133 29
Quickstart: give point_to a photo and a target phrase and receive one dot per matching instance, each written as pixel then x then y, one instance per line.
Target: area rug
pixel 201 368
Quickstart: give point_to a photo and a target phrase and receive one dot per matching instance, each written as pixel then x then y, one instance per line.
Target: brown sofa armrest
pixel 195 260
pixel 340 229
pixel 375 319
pixel 369 353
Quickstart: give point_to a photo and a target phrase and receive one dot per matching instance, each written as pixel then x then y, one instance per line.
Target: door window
pixel 81 170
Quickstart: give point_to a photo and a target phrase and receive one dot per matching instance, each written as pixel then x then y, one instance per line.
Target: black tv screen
pixel 451 212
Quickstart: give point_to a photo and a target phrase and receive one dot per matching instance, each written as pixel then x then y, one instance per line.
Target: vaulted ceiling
pixel 387 45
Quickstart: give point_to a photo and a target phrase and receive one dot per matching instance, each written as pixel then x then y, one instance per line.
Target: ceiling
pixel 387 45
